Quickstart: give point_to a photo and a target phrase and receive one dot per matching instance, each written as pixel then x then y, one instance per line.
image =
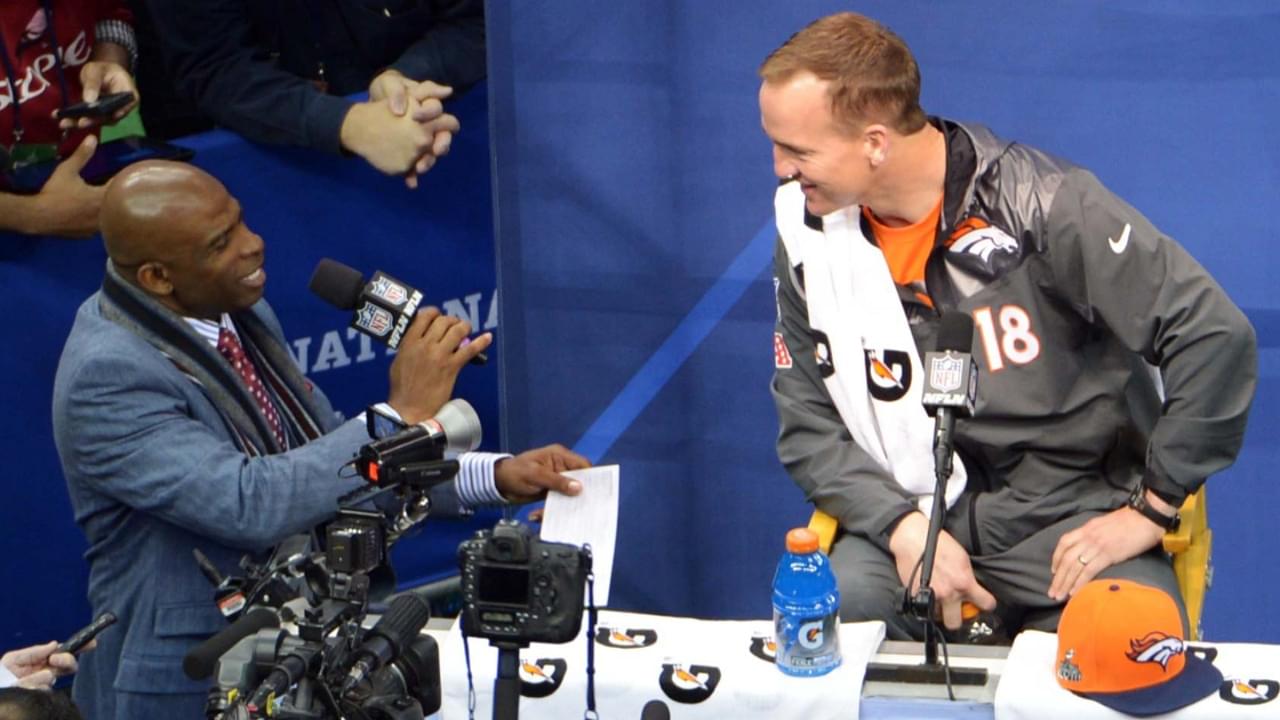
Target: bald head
pixel 150 202
pixel 176 233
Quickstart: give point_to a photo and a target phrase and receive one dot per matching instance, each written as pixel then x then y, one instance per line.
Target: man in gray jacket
pixel 182 423
pixel 1079 453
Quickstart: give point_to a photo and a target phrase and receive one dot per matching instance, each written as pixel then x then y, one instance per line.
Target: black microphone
pixel 655 710
pixel 951 384
pixel 383 307
pixel 385 640
pixel 200 662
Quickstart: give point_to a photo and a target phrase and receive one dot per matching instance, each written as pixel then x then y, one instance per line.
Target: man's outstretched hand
pixel 528 476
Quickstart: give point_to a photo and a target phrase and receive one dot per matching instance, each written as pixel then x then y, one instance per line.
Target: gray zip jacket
pixel 1085 316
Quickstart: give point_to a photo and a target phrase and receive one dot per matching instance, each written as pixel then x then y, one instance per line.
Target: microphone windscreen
pixel 337 284
pixel 955 332
pixel 655 710
pixel 405 618
pixel 203 658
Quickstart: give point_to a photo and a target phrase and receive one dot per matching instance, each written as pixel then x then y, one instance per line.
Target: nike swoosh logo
pixel 1118 246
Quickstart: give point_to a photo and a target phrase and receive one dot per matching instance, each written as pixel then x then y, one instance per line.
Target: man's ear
pixel 154 278
pixel 875 144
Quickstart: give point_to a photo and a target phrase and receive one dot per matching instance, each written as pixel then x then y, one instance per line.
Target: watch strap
pixel 1138 501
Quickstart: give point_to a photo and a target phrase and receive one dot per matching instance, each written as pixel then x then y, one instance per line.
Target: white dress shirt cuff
pixel 475 481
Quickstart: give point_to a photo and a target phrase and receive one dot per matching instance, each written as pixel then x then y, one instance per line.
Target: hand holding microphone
pixel 427 364
pixel 431 347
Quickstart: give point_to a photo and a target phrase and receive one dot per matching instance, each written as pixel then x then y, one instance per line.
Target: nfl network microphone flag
pixel 951 378
pixel 387 305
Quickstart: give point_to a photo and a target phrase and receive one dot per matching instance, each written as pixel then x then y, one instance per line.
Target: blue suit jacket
pixel 153 473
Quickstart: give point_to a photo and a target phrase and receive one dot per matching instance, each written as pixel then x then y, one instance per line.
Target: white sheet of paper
pixel 589 518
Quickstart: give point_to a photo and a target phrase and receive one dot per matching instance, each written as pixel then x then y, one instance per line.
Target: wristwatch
pixel 1138 501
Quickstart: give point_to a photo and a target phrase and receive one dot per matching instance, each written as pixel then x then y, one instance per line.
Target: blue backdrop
pixel 634 211
pixel 306 206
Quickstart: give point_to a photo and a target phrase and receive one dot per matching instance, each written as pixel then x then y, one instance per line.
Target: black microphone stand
pixel 921 604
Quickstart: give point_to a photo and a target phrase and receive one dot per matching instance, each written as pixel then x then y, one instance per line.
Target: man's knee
pixel 869 584
pixel 861 600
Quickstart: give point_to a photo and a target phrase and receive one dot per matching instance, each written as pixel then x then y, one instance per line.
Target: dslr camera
pixel 518 589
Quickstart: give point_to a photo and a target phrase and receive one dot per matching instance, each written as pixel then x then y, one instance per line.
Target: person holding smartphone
pixel 58 56
pixel 37 667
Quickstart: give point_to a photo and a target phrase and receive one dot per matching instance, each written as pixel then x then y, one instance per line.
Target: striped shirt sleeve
pixel 475 481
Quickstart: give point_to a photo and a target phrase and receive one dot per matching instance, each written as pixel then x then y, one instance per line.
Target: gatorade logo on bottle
pixel 810 634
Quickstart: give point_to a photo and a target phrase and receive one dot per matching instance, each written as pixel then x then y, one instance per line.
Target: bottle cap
pixel 802 540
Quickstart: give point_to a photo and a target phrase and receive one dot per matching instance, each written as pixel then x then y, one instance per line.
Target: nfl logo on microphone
pixel 384 288
pixel 373 319
pixel 945 374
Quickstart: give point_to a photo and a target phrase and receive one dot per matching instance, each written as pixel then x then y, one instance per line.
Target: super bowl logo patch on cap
pixel 1068 671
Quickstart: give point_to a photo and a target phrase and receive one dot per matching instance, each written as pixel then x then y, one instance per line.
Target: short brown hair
pixel 873 76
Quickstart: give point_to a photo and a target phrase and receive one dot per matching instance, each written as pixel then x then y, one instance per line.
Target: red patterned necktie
pixel 233 351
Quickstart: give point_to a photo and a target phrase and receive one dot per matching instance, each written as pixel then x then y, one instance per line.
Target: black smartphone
pixel 74 643
pixel 109 159
pixel 104 106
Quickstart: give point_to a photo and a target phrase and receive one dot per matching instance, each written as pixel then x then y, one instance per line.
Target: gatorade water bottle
pixel 806 608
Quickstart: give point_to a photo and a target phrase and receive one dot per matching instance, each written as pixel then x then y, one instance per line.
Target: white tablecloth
pixel 699 668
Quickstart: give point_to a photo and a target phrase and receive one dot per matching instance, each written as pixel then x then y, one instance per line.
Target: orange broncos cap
pixel 1121 643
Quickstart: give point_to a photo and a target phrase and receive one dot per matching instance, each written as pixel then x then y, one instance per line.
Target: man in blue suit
pixel 183 423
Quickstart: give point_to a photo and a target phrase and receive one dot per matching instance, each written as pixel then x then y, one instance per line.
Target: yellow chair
pixel 1190 547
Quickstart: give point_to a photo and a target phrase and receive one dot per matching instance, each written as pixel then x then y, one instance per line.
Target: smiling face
pixel 177 233
pixel 218 266
pixel 831 161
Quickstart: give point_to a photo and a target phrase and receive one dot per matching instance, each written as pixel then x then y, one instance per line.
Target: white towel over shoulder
pixel 852 299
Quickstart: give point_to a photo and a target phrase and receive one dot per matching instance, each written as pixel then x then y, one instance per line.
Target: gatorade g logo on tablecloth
pixel 888 374
pixel 822 353
pixel 1239 691
pixel 688 684
pixel 627 639
pixel 541 677
pixel 763 647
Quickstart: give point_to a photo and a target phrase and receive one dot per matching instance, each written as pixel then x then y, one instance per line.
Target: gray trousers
pixel 1019 577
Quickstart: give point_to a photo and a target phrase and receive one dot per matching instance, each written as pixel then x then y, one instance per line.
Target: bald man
pixel 182 423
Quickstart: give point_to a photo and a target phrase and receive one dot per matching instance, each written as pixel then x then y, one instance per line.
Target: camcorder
pixel 518 588
pixel 327 665
pixel 324 664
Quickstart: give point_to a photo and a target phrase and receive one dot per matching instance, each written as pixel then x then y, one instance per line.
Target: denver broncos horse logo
pixel 1156 647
